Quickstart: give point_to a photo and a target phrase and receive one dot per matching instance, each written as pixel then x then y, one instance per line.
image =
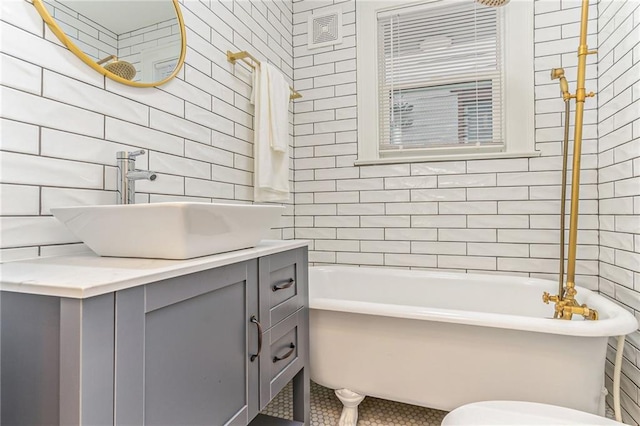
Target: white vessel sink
pixel 169 230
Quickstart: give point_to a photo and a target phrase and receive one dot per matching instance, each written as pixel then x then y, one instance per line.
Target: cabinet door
pixel 183 348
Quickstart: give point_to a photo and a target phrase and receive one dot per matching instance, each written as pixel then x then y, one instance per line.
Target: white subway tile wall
pixel 62 122
pixel 487 216
pixel 482 215
pixel 619 178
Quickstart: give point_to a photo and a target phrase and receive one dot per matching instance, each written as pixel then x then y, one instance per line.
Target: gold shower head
pixel 493 3
pixel 120 68
pixel 557 73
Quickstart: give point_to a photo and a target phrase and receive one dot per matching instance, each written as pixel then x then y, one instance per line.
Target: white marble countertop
pixel 87 275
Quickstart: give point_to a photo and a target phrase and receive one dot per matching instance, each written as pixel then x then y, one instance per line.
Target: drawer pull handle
pixel 285 284
pixel 257 323
pixel 287 355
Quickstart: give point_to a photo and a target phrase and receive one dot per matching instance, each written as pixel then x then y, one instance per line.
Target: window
pixel 445 73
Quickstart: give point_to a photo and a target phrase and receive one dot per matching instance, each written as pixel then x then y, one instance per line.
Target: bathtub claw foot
pixel 350 401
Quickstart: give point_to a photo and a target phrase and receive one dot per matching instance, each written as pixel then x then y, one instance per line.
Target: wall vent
pixel 325 29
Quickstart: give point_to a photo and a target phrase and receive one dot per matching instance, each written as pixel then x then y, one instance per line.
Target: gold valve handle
pixel 546 298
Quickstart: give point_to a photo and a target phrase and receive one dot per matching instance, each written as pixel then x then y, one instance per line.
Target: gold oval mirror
pixel 140 43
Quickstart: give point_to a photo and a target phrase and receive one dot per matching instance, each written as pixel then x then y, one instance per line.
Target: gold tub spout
pixel 567 307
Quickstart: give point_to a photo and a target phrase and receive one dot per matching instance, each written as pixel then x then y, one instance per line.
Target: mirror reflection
pixel 138 40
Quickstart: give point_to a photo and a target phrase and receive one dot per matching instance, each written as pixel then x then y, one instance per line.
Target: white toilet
pixel 521 413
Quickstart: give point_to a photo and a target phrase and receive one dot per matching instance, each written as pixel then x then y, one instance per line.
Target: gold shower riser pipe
pixel 580 96
pixel 565 302
pixel 252 62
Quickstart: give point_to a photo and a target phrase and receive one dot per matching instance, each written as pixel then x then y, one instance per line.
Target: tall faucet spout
pixel 128 175
pixel 142 175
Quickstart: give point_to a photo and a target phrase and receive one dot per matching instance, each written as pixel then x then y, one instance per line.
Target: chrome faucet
pixel 128 175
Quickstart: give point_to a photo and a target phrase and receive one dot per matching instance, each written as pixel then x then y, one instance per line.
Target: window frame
pixel 518 87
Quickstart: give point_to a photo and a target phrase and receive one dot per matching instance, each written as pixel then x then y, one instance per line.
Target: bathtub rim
pixel 618 321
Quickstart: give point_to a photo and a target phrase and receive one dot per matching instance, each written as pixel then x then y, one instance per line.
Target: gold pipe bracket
pixel 584 50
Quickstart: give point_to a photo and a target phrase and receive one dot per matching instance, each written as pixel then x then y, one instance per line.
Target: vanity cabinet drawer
pixel 282 285
pixel 284 355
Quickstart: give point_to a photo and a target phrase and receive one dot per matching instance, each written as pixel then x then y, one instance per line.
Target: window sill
pixel 448 157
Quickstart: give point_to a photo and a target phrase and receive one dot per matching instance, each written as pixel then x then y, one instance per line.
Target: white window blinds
pixel 440 77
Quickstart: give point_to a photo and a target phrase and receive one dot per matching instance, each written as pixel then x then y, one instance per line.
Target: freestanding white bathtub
pixel 442 340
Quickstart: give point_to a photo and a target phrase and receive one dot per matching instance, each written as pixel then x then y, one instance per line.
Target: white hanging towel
pixel 271 134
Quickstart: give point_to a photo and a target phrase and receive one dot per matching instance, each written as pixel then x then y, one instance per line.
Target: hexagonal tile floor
pixel 326 409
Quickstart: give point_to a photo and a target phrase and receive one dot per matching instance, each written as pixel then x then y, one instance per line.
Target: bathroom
pixel 491 210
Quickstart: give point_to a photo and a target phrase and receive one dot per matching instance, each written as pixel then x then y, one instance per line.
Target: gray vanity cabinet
pixel 171 352
pixel 181 349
